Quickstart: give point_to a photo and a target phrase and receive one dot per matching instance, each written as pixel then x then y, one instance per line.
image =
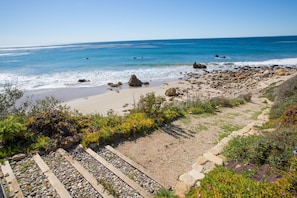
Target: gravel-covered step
pixel 72 180
pixel 107 178
pixel 57 185
pixel 131 169
pixel 10 183
pixel 90 178
pixel 31 179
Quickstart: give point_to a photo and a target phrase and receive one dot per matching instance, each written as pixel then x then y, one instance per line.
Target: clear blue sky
pixel 41 22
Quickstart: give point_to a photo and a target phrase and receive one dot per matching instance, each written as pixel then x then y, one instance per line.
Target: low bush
pixel 164 193
pixel 289 117
pixel 273 148
pixel 59 126
pixel 12 130
pixel 222 182
pixel 285 95
pixel 227 102
pixel 8 101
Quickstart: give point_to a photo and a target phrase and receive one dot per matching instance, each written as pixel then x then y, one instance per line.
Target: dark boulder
pixel 83 80
pixel 171 92
pixel 115 84
pixel 199 66
pixel 134 81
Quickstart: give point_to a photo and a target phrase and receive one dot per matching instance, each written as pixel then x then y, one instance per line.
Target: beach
pixel 228 84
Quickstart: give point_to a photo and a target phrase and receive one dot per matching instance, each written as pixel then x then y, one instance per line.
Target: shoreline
pixel 225 83
pixel 230 84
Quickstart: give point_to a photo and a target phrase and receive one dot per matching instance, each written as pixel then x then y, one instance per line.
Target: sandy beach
pixel 225 83
pixel 119 100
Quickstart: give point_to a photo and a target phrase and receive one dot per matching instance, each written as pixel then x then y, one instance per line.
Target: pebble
pixel 103 175
pixel 144 181
pixel 69 176
pixel 32 182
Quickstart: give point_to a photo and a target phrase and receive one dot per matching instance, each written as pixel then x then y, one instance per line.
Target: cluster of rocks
pixel 235 82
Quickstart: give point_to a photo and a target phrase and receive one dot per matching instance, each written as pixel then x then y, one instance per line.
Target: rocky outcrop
pixel 281 72
pixel 134 81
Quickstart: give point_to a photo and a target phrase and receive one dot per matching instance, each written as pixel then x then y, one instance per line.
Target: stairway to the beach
pixel 78 172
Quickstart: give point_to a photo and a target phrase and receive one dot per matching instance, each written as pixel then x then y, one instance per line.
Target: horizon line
pixel 136 40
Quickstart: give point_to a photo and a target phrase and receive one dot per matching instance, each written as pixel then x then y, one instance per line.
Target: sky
pixel 48 22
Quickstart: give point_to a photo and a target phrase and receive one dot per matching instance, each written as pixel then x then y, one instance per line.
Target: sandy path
pixel 170 152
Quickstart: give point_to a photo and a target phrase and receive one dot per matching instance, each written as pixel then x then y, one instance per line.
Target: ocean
pixel 61 66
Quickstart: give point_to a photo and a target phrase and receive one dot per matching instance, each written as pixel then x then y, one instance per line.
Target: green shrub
pixel 11 130
pixel 226 102
pixel 285 96
pixel 8 101
pixel 240 149
pixel 59 126
pixel 289 117
pixel 164 193
pixel 273 148
pixel 45 105
pixel 138 123
pixel 89 138
pixel 155 108
pixel 200 107
pixel 226 183
pixel 41 143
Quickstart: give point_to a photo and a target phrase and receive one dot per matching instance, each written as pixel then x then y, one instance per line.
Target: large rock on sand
pixel 134 81
pixel 281 72
pixel 171 92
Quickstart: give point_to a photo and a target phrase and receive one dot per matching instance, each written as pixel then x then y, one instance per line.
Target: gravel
pixel 144 181
pixel 76 185
pixel 31 180
pixel 105 177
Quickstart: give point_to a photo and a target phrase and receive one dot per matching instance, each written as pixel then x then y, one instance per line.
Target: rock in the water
pixel 199 66
pixel 134 81
pixel 171 92
pixel 115 84
pixel 83 80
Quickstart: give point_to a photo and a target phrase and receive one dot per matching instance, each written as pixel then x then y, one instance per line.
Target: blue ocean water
pixel 60 66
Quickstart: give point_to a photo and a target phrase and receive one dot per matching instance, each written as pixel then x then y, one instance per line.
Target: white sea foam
pixel 100 77
pixel 14 54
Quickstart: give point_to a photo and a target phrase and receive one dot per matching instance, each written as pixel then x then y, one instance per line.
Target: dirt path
pixel 170 152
